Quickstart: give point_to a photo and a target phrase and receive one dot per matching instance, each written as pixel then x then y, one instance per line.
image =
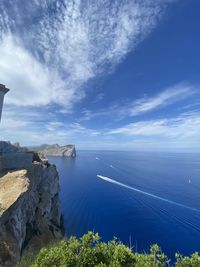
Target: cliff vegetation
pixel 89 251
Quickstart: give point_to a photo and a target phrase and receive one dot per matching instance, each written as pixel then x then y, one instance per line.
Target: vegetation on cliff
pixel 89 251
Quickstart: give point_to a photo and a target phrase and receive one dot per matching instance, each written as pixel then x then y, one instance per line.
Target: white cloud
pixel 22 124
pixel 51 49
pixel 68 42
pixel 78 128
pixel 180 128
pixel 31 83
pixel 180 133
pixel 168 96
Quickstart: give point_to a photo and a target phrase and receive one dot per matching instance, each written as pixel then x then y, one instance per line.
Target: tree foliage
pixel 89 251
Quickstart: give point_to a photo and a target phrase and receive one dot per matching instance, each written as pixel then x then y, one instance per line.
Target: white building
pixel 3 91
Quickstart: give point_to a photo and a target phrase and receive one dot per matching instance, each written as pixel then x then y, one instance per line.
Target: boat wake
pixel 109 180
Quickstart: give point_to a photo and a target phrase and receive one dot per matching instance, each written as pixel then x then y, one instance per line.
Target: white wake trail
pixel 107 179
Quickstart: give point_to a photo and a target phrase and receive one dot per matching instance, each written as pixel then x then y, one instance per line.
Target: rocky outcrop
pixel 8 147
pixel 56 150
pixel 29 210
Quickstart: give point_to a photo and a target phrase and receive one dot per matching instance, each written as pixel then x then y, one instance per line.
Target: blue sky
pixel 117 75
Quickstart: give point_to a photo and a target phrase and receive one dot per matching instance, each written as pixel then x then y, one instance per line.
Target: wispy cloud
pixel 31 83
pixel 28 128
pixel 98 98
pixel 166 97
pixel 182 127
pixel 180 133
pixel 78 128
pixel 51 49
pixel 62 44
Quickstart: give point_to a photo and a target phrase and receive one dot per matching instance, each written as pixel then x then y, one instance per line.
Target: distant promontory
pixel 56 150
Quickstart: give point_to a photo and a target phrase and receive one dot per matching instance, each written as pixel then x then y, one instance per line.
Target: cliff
pixel 56 150
pixel 29 210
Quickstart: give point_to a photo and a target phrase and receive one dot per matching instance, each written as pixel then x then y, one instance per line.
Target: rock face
pixel 12 156
pixel 29 210
pixel 56 150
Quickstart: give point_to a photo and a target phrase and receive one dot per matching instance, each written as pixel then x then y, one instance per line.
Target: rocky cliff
pixel 56 150
pixel 29 210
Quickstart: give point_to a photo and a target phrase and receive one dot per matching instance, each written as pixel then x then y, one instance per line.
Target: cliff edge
pixel 29 210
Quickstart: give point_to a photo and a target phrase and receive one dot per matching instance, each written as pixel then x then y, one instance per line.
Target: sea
pixel 141 198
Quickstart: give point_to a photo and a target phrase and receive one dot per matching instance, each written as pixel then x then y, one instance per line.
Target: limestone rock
pixel 29 210
pixel 56 150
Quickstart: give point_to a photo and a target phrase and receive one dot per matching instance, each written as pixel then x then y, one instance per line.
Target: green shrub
pixel 193 261
pixel 89 251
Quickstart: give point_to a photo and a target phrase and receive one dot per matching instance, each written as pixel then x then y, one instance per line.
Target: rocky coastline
pixel 56 150
pixel 30 214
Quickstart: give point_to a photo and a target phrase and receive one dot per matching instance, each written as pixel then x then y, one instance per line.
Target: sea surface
pixel 141 198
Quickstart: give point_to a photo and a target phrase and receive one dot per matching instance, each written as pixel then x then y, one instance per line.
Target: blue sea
pixel 141 198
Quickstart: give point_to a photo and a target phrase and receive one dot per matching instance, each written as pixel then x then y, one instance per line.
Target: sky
pixel 104 74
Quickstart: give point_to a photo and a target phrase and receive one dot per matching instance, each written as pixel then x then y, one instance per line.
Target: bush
pixel 193 261
pixel 89 251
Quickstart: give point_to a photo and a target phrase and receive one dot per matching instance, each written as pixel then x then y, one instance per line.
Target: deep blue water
pixel 143 198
